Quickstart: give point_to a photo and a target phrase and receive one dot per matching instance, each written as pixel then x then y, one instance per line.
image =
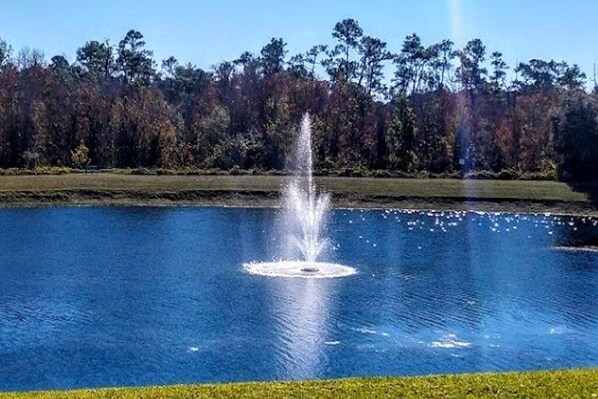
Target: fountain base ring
pixel 299 269
pixel 310 269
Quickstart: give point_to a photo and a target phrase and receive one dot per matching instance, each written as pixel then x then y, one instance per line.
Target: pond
pixel 110 296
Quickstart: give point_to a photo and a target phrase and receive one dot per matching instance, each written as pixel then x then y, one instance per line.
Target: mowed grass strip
pixel 540 384
pixel 340 186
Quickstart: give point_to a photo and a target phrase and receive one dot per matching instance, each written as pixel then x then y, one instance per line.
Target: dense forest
pixel 440 110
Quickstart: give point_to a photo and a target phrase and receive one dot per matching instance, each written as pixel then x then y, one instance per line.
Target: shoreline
pixel 108 189
pixel 267 199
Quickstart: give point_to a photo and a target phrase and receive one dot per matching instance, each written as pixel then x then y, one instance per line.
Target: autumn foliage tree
pixel 428 109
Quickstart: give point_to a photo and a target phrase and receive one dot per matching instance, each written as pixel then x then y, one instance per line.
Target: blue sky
pixel 207 32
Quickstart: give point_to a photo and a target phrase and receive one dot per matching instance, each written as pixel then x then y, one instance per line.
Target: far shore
pixel 264 191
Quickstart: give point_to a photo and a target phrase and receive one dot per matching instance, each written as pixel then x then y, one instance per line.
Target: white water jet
pixel 304 220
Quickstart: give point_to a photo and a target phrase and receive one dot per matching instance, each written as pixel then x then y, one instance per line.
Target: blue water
pixel 135 296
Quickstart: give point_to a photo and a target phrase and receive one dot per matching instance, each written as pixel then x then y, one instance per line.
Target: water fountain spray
pixel 304 207
pixel 304 218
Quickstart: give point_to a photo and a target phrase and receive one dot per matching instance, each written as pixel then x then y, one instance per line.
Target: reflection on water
pixel 139 296
pixel 301 311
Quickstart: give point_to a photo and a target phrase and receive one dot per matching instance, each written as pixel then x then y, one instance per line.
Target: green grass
pixel 491 189
pixel 540 384
pixel 264 190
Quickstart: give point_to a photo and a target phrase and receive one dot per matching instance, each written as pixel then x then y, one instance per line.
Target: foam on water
pixel 449 341
pixel 299 269
pixel 589 249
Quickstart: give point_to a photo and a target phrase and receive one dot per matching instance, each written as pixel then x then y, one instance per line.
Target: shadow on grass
pixel 578 240
pixel 590 188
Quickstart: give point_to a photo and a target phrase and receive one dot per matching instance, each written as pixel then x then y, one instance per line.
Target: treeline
pixel 444 110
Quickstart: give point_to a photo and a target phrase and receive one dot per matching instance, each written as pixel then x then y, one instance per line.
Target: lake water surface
pixel 105 296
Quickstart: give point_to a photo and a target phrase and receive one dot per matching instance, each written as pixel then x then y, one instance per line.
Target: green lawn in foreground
pixel 359 187
pixel 541 384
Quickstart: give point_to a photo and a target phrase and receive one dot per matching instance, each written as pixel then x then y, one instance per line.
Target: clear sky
pixel 206 32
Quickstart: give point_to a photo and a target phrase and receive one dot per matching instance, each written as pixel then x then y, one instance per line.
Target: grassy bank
pixel 107 188
pixel 540 384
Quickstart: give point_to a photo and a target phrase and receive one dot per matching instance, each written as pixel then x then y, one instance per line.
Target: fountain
pixel 304 217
